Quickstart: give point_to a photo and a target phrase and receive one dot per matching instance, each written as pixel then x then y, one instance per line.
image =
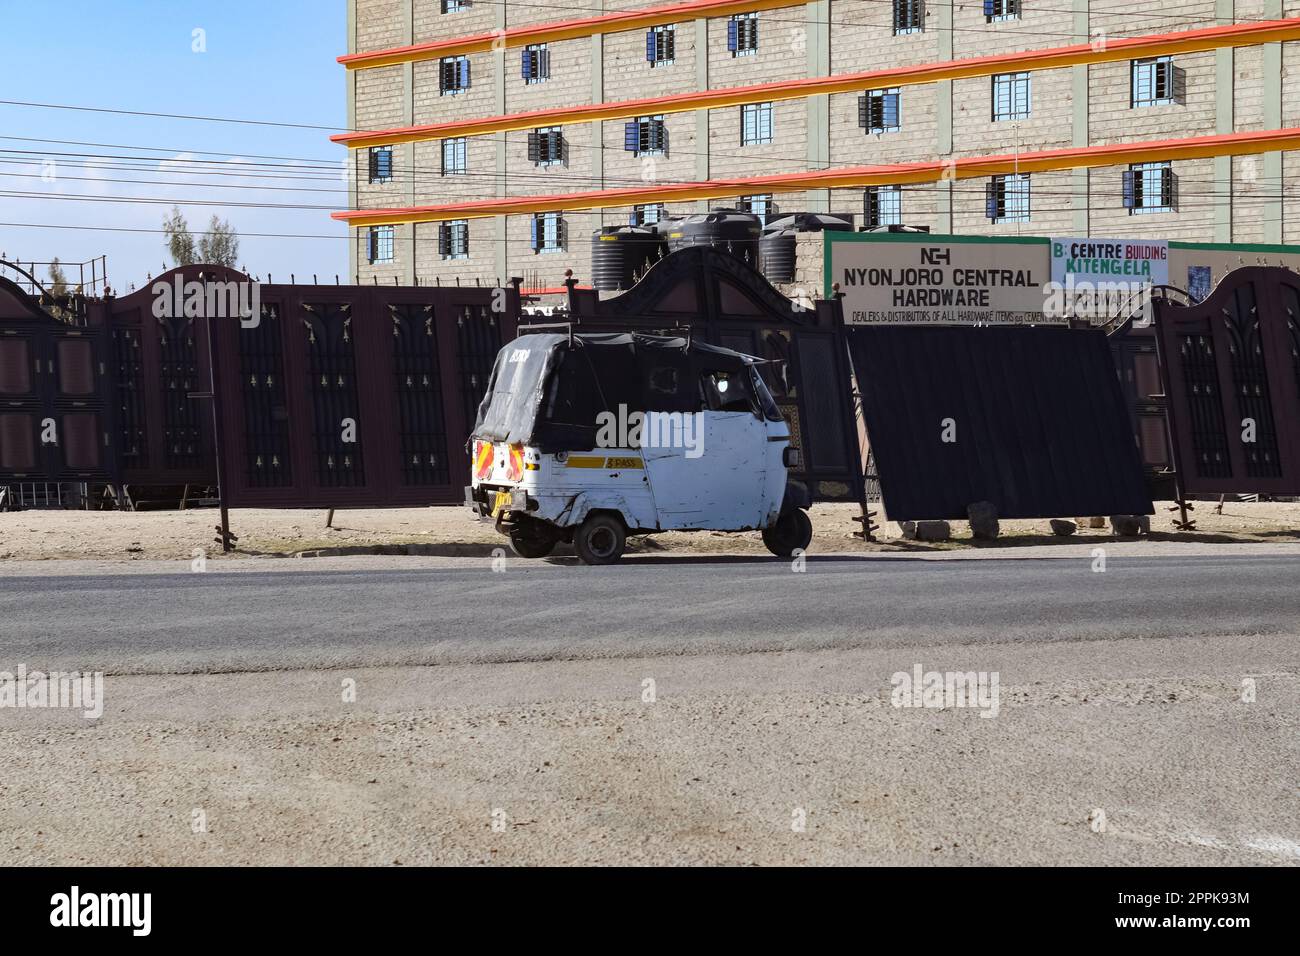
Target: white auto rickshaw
pixel 587 438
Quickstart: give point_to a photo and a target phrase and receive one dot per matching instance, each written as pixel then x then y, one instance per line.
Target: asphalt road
pixel 216 621
pixel 1122 693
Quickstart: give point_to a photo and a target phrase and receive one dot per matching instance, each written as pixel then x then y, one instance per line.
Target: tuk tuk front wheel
pixel 792 532
pixel 600 539
pixel 532 542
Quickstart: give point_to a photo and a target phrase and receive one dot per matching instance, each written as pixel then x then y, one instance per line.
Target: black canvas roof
pixel 599 372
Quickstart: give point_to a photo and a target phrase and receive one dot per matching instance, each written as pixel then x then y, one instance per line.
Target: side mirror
pixel 792 457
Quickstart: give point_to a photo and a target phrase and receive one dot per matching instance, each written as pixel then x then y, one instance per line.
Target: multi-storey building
pixel 492 138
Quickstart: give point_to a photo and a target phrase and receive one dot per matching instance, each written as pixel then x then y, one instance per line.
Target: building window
pixel 1010 96
pixel 1150 187
pixel 883 206
pixel 647 215
pixel 878 111
pixel 453 239
pixel 535 63
pixel 548 232
pixel 760 206
pixel 742 34
pixel 646 136
pixel 1006 198
pixel 381 164
pixel 546 146
pixel 455 6
pixel 755 124
pixel 1157 82
pixel 909 16
pixel 453 75
pixel 453 157
pixel 661 45
pixel 379 244
pixel 996 11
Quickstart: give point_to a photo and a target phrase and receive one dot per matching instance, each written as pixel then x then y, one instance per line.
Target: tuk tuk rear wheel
pixel 792 532
pixel 532 543
pixel 600 539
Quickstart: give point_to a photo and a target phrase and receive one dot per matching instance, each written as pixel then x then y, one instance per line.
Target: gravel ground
pixel 452 531
pixel 566 762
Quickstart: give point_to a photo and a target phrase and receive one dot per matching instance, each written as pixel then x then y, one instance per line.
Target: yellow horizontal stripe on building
pixel 973 167
pixel 1165 44
pixel 569 29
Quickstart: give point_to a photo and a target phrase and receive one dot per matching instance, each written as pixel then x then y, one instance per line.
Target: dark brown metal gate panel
pixel 158 363
pixel 56 415
pixel 1231 371
pixel 1137 366
pixel 399 370
pixel 405 367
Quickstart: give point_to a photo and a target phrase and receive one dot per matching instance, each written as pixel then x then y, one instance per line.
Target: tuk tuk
pixel 588 438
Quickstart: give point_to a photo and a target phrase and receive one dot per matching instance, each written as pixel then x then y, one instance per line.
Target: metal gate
pixel 1231 370
pixel 55 402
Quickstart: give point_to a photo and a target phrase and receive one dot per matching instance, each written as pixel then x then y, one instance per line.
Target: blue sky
pixel 270 60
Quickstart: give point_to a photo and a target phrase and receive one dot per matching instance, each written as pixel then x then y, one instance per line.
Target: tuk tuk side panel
pixel 722 489
pixel 602 479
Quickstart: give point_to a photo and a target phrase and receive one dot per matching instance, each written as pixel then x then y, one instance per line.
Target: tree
pixel 58 280
pixel 220 245
pixel 180 244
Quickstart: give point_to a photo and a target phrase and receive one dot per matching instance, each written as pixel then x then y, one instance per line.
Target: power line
pixel 1201 200
pixel 566 180
pixel 177 116
pixel 141 182
pixel 162 149
pixel 225 204
pixel 141 229
pixel 556 178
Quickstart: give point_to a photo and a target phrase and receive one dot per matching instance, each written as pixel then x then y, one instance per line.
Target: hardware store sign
pixel 912 279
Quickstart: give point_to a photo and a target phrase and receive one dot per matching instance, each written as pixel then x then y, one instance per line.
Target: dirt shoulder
pixel 790 757
pixel 453 532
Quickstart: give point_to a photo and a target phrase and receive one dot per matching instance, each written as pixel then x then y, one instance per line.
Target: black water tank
pixel 778 246
pixel 813 222
pixel 726 230
pixel 895 228
pixel 621 254
pixel 777 250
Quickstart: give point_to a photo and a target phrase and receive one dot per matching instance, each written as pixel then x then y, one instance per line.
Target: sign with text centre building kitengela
pixel 1097 279
pixel 920 279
